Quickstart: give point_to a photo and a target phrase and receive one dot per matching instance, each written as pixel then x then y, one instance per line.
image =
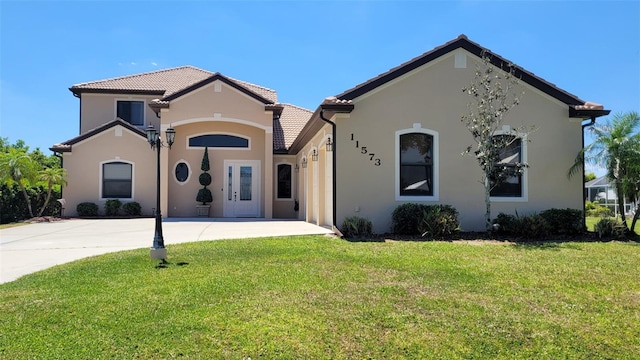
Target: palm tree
pixel 16 166
pixel 51 176
pixel 614 142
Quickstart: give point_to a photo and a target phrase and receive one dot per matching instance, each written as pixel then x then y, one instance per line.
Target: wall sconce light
pixel 296 168
pixel 314 157
pixel 329 144
pixel 304 163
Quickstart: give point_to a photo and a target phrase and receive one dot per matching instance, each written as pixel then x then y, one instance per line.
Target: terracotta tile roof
pixel 288 126
pixel 460 42
pixel 67 145
pixel 165 82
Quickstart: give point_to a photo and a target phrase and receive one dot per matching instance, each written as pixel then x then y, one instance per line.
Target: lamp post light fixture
pixel 158 251
pixel 314 156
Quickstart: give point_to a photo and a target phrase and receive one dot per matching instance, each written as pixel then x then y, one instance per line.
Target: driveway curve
pixel 34 247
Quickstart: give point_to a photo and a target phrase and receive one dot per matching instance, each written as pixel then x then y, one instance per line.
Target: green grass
pixel 321 298
pixel 10 225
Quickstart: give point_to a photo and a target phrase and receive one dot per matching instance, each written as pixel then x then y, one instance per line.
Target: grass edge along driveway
pixel 323 298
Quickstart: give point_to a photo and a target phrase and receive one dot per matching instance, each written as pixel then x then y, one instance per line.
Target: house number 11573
pixel 364 151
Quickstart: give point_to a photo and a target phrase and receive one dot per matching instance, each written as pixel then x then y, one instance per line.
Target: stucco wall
pixel 207 111
pixel 83 165
pixel 432 97
pixel 99 109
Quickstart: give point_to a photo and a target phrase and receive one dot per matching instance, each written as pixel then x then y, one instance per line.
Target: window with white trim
pixel 417 164
pixel 131 111
pixel 117 180
pixel 510 158
pixel 284 190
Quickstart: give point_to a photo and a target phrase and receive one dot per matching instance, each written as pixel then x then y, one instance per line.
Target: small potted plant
pixel 204 195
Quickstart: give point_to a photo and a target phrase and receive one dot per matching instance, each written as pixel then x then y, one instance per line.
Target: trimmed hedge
pixel 132 209
pixel 87 209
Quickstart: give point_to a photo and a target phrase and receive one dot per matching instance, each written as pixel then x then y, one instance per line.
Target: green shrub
pixel 87 209
pixel 112 207
pixel 132 208
pixel 533 227
pixel 356 227
pixel 526 227
pixel 13 206
pixel 564 221
pixel 406 218
pixel 507 223
pixel 439 221
pixel 610 227
pixel 600 211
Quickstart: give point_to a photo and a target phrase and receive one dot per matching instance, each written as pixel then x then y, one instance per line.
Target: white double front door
pixel 242 188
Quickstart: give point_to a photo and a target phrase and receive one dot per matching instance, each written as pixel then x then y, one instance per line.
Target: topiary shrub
pixel 406 218
pixel 87 209
pixel 204 195
pixel 354 227
pixel 564 221
pixel 132 208
pixel 439 221
pixel 112 207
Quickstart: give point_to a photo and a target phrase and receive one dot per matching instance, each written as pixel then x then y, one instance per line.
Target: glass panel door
pixel 242 188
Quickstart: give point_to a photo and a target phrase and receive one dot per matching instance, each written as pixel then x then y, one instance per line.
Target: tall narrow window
pixel 284 181
pixel 510 157
pixel 131 112
pixel 416 164
pixel 116 180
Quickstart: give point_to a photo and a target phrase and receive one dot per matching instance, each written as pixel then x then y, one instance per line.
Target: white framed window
pixel 182 172
pixel 116 180
pixel 416 164
pixel 284 186
pixel 514 188
pixel 131 111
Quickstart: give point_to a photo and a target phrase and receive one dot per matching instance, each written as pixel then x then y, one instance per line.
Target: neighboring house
pixel 603 192
pixel 393 139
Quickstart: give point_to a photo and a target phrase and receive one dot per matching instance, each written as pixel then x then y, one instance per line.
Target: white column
pixel 268 173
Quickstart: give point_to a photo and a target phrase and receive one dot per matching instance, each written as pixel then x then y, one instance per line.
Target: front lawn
pixel 322 298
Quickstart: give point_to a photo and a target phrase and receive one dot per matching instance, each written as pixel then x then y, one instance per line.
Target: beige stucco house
pixel 393 139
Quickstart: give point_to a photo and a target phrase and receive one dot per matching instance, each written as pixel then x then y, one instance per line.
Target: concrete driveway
pixel 30 248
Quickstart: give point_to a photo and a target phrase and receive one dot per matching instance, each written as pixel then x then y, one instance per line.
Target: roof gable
pixel 461 42
pixel 224 79
pixel 168 83
pixel 66 146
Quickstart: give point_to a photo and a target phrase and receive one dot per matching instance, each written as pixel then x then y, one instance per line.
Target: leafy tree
pixel 616 147
pixel 588 177
pixel 16 166
pixel 51 177
pixel 493 94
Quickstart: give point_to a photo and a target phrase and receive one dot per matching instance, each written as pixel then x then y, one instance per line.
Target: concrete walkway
pixel 30 248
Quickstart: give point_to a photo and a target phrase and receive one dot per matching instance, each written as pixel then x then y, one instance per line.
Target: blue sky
pixel 306 50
